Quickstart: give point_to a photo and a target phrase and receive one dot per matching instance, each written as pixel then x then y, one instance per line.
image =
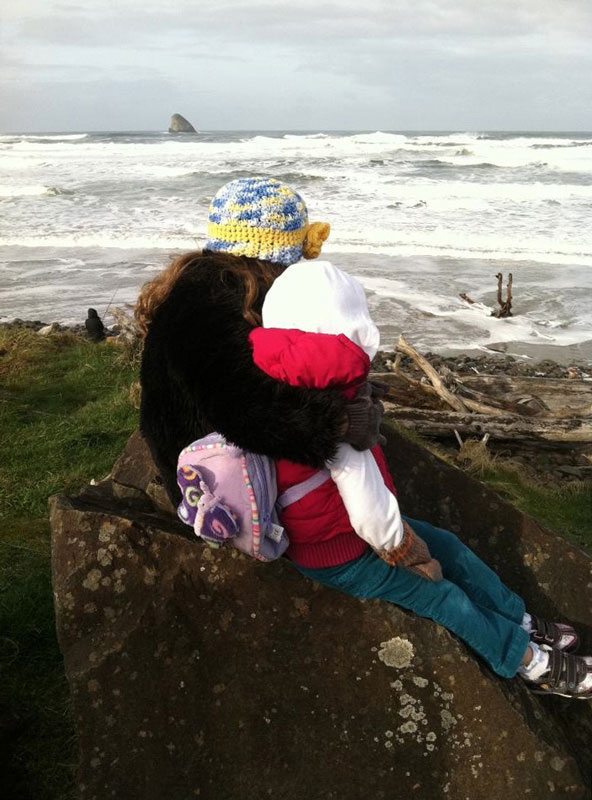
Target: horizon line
pixel 297 130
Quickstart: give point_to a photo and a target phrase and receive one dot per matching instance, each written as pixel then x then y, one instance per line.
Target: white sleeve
pixel 372 508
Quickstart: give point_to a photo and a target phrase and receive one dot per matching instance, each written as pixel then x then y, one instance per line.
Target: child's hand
pixel 430 570
pixel 413 554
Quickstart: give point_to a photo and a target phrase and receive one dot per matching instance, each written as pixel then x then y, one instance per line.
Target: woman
pixel 198 375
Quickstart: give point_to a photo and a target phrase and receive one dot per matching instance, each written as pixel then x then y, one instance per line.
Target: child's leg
pixel 464 568
pixel 499 641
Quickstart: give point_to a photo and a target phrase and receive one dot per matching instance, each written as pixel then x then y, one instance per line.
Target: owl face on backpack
pixel 200 508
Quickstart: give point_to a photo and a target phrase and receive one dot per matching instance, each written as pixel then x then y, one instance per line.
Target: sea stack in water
pixel 179 124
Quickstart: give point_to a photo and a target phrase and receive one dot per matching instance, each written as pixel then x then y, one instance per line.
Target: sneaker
pixel 558 635
pixel 567 676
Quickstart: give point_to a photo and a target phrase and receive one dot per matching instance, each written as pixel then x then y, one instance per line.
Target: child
pixel 293 347
pixel 318 333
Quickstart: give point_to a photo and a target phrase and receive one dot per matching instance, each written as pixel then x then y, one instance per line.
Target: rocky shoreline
pixel 462 364
pixel 489 365
pixel 551 465
pixel 54 327
pixel 547 462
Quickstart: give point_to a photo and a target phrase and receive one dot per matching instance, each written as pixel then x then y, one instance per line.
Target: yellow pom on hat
pixel 316 234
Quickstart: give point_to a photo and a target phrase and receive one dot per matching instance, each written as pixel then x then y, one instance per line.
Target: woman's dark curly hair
pixel 256 278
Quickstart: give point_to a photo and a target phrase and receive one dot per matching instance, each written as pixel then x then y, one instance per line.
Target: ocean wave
pixel 501 160
pixel 299 136
pixel 172 158
pixel 449 164
pixel 378 137
pixel 462 246
pixel 547 146
pixel 520 139
pixel 163 171
pixel 11 162
pixel 261 138
pixel 32 191
pixel 42 137
pixel 454 194
pixel 103 241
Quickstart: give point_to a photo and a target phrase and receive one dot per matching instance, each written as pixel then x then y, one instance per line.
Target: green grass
pixel 65 414
pixel 565 508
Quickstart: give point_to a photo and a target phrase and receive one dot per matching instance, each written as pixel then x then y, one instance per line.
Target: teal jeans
pixel 471 601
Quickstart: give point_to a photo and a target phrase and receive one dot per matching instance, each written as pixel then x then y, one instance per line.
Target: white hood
pixel 317 297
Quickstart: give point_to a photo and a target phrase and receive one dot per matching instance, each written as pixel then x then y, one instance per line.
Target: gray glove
pixel 364 416
pixel 378 389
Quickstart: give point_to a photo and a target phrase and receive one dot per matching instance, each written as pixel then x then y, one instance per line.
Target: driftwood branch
pixel 504 407
pixel 476 403
pixel 500 278
pixel 406 349
pixel 505 306
pixel 128 327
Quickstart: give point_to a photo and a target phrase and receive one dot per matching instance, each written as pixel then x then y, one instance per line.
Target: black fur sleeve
pixel 198 375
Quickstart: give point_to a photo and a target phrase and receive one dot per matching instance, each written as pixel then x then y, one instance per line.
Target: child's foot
pixel 558 635
pixel 565 675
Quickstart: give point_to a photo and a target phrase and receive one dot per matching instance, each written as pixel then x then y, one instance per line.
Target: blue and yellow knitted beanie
pixel 263 218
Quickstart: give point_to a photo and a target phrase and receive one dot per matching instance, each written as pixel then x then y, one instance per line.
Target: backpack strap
pixel 300 490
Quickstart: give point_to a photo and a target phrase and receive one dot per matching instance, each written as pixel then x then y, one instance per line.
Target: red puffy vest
pixel 318 525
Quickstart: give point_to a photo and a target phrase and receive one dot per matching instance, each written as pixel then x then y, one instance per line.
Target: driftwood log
pixel 443 404
pixel 505 306
pixel 440 423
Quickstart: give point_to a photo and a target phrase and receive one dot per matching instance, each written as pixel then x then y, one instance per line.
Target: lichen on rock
pixel 396 652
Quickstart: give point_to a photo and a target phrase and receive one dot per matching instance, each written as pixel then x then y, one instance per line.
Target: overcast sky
pixel 305 65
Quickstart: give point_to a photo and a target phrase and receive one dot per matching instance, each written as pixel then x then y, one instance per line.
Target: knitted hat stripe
pixel 234 232
pixel 260 218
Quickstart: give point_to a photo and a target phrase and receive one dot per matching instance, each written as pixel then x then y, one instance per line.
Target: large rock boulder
pixel 179 124
pixel 201 673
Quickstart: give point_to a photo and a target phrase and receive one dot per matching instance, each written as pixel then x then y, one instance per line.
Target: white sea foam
pixel 42 137
pixel 443 250
pixel 525 328
pixel 425 198
pixel 24 191
pixel 102 240
pixel 298 136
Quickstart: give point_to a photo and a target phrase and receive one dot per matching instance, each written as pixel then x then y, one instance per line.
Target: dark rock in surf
pixel 179 124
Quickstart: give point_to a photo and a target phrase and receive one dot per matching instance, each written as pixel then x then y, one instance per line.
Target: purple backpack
pixel 230 495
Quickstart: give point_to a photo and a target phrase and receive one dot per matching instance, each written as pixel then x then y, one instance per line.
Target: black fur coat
pixel 198 376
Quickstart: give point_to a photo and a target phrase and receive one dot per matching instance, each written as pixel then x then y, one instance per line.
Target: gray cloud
pixel 309 20
pixel 263 63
